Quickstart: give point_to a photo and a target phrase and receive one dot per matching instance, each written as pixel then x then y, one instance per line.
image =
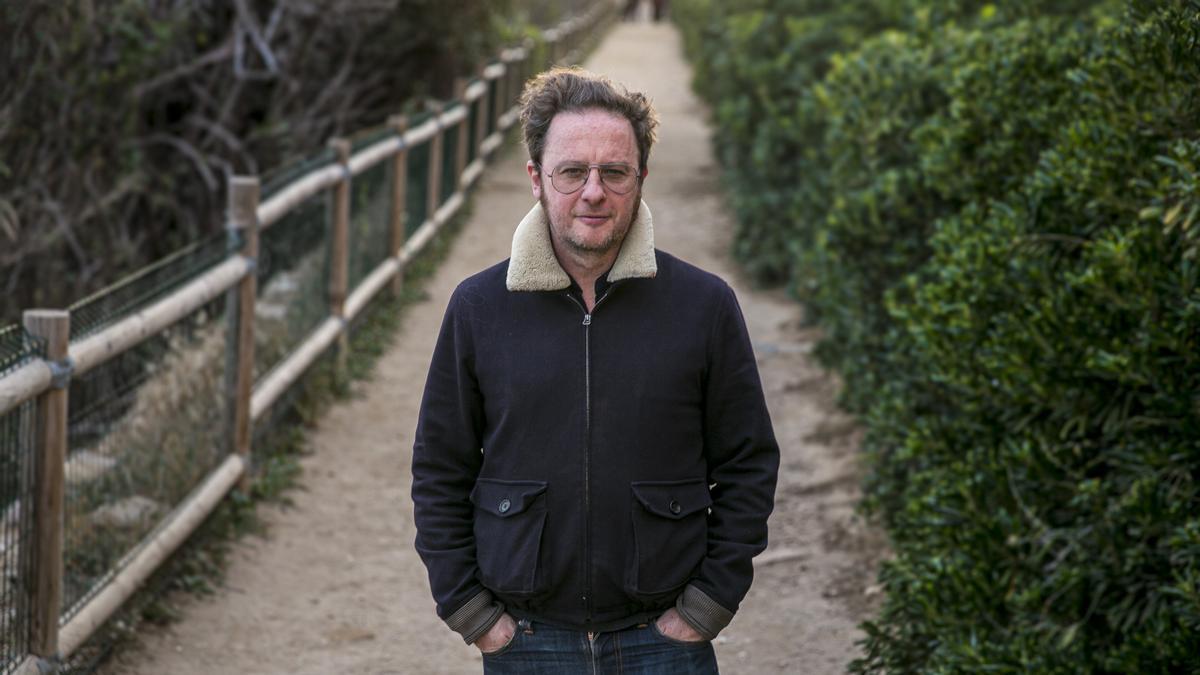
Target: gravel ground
pixel 335 586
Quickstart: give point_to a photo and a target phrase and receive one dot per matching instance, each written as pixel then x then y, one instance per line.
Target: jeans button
pixel 675 507
pixel 505 505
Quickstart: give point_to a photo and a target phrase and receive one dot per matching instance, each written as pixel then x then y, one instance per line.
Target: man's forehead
pixel 587 129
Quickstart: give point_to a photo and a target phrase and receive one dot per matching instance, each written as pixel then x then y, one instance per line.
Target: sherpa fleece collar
pixel 534 267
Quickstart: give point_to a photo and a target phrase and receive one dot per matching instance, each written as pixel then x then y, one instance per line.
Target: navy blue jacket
pixel 590 470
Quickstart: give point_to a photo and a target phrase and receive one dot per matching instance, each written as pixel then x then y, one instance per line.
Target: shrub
pixel 994 214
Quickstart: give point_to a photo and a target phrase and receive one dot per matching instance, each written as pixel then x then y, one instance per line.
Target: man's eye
pixel 616 172
pixel 572 172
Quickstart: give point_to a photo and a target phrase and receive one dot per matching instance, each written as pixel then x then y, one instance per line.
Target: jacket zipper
pixel 587 449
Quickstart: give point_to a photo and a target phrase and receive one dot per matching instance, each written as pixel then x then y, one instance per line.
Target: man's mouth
pixel 592 219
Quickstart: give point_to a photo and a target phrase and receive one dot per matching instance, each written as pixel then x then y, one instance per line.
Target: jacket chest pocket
pixel 509 519
pixel 670 535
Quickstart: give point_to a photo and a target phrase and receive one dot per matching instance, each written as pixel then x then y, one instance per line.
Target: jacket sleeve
pixel 743 462
pixel 446 462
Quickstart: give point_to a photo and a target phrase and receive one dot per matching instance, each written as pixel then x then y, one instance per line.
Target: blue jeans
pixel 539 649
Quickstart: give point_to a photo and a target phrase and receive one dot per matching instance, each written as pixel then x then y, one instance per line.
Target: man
pixel 594 464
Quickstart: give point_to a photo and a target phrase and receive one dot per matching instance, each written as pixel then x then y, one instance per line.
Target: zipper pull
pixel 587 319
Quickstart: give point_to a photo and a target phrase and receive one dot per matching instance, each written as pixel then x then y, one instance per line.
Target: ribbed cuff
pixel 474 618
pixel 702 612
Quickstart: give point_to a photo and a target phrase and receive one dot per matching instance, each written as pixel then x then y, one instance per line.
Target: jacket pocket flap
pixel 674 499
pixel 506 498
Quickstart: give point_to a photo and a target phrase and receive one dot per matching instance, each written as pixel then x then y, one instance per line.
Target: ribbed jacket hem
pixel 475 617
pixel 702 613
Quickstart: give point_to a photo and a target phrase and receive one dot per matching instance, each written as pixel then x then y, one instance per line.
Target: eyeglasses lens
pixel 568 178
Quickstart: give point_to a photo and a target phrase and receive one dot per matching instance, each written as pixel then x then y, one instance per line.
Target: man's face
pixel 593 220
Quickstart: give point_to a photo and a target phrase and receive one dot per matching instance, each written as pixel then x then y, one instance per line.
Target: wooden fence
pixel 489 99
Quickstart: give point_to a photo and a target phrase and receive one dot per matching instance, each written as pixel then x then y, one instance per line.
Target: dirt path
pixel 336 586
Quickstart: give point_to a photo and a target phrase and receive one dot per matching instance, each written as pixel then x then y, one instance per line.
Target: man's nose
pixel 593 187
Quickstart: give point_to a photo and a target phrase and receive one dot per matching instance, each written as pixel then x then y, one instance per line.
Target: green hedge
pixel 994 212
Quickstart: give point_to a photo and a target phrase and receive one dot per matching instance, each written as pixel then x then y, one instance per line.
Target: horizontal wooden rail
pixel 447 210
pixel 494 71
pixel 23 384
pixel 34 666
pixel 454 116
pixel 158 547
pixel 491 143
pixel 417 241
pixel 475 91
pixel 513 54
pixel 472 172
pixel 375 153
pixel 268 391
pixel 380 277
pixel 422 132
pixel 295 193
pixel 132 330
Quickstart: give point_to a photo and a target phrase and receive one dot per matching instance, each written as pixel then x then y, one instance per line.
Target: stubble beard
pixel 614 239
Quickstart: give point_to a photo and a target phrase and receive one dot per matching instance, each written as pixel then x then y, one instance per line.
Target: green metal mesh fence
pixel 275 180
pixel 151 283
pixel 370 226
pixel 293 274
pixel 417 178
pixel 16 495
pixel 490 103
pixel 472 127
pixel 144 429
pixel 287 415
pixel 16 348
pixel 449 157
pixel 368 137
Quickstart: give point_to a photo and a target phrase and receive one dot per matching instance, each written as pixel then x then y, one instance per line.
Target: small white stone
pixel 126 513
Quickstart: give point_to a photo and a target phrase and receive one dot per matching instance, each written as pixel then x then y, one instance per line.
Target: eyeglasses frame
pixel 597 167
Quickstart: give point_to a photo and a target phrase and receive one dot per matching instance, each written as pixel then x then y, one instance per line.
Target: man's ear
pixel 645 172
pixel 535 178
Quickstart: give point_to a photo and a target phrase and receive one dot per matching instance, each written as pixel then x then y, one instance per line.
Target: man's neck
pixel 585 269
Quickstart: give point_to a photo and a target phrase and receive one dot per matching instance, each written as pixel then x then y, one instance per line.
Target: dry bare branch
pixel 194 155
pixel 209 58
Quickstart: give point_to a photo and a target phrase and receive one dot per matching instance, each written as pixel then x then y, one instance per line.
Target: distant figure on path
pixel 594 463
pixel 660 9
pixel 631 9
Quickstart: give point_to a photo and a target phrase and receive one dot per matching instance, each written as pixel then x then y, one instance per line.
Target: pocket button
pixel 505 505
pixel 675 507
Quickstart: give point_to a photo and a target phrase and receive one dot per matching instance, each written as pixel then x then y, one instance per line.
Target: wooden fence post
pixel 398 220
pixel 49 467
pixel 244 193
pixel 460 148
pixel 339 251
pixel 433 197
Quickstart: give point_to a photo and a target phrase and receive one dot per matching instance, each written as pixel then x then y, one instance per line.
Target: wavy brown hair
pixel 573 89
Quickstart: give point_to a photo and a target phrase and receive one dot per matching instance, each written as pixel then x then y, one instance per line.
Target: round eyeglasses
pixel 569 177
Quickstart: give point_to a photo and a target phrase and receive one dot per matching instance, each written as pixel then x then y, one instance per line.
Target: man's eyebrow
pixel 583 163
